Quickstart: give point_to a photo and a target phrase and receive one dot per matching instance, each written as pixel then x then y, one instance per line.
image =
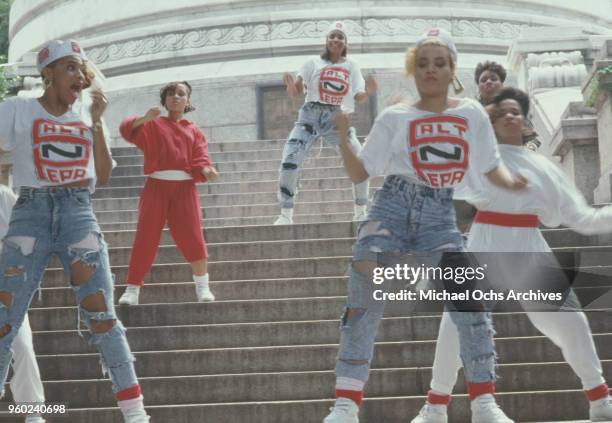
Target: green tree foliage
pixel 5 5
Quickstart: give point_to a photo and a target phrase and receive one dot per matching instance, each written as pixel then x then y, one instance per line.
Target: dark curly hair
pixel 491 67
pixel 510 93
pixel 170 88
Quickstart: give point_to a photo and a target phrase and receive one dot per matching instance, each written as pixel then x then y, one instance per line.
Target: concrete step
pixel 215 146
pixel 295 385
pixel 266 334
pixel 567 406
pixel 224 187
pixel 343 216
pixel 240 155
pixel 137 179
pixel 271 209
pixel 236 199
pixel 240 166
pixel 250 233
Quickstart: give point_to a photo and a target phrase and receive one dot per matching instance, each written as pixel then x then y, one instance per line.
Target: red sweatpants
pixel 161 201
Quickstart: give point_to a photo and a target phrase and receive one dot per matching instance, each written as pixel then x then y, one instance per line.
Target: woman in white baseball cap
pixel 425 149
pixel 333 83
pixel 58 156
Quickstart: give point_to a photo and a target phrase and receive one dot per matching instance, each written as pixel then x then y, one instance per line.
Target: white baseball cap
pixel 337 26
pixel 57 49
pixel 441 36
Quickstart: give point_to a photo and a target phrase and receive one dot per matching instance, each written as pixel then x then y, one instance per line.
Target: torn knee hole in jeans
pixel 87 256
pixel 95 311
pixel 352 314
pixel 25 244
pixel 373 228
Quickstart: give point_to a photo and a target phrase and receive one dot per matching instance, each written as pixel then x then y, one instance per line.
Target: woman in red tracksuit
pixel 175 159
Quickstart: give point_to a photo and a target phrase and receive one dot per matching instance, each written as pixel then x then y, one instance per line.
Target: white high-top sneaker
pixel 601 410
pixel 136 415
pixel 431 413
pixel 130 296
pixel 343 411
pixel 486 410
pixel 203 293
pixel 34 419
pixel 285 218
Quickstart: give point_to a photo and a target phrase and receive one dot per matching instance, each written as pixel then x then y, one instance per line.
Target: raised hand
pixel 371 85
pixel 152 113
pixel 98 105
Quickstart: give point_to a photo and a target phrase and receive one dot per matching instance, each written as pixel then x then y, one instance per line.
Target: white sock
pixel 288 213
pixel 360 209
pixel 127 405
pixel 484 399
pixel 133 288
pixel 201 280
pixel 349 384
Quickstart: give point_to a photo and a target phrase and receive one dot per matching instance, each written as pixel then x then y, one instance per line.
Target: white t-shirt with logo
pixel 332 83
pixel 437 149
pixel 47 150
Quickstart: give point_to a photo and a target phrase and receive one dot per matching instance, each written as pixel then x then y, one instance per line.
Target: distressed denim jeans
pixel 60 221
pixel 314 120
pixel 407 218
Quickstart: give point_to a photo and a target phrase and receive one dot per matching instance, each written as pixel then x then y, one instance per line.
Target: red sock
pixel 478 389
pixel 128 394
pixel 355 396
pixel 435 399
pixel 597 393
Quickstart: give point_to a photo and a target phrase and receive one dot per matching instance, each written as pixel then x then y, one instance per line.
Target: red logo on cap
pixel 43 55
pixel 433 32
pixel 75 47
pixel 338 25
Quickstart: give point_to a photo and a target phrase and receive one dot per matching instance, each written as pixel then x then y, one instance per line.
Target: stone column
pixel 597 93
pixel 575 143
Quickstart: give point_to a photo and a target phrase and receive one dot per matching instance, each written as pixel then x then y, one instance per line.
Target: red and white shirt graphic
pixel 437 149
pixel 335 84
pixel 46 150
pixel 61 152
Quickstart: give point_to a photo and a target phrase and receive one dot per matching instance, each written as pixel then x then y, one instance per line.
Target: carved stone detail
pixel 265 32
pixel 556 69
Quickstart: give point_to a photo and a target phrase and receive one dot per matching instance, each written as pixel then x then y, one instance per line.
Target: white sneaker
pixel 34 419
pixel 130 296
pixel 431 413
pixel 360 213
pixel 283 220
pixel 486 410
pixel 203 293
pixel 601 410
pixel 343 411
pixel 136 415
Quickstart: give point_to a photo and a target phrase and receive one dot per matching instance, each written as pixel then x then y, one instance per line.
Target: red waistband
pixel 507 219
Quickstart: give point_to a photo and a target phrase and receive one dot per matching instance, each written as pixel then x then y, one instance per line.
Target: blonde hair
pixel 410 63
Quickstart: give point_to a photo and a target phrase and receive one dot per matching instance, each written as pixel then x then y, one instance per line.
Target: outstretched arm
pixel 353 164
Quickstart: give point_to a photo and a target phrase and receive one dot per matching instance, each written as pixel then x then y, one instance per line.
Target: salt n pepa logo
pixel 61 151
pixel 438 150
pixel 333 84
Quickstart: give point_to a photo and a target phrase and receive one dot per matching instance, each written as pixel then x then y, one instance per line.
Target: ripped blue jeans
pixel 406 218
pixel 314 120
pixel 60 221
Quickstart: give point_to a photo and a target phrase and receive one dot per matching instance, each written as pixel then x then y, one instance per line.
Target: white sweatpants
pixel 26 385
pixel 570 331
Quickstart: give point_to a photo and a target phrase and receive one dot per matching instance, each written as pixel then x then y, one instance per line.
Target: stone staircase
pixel 265 350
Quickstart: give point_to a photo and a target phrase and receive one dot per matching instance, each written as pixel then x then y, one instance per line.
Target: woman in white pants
pixel 508 222
pixel 26 385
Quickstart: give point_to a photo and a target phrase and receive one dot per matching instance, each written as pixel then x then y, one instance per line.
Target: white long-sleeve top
pixel 550 195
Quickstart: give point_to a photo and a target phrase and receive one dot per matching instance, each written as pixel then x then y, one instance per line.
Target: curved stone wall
pixel 229 48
